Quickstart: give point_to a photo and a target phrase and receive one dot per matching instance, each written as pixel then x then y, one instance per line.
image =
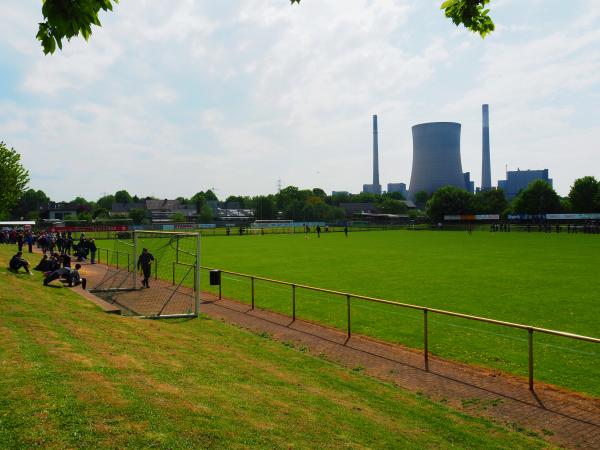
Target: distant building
pixel 397 187
pixel 371 188
pixel 517 180
pixel 156 210
pixel 355 208
pixel 57 211
pixel 469 185
pixel 340 193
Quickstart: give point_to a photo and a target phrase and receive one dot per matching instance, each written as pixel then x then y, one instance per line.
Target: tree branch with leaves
pixel 65 19
pixel 13 178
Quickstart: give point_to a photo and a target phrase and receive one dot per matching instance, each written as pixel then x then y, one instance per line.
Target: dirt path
pixel 563 418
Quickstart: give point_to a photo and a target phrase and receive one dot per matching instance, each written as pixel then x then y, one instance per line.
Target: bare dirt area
pixel 561 417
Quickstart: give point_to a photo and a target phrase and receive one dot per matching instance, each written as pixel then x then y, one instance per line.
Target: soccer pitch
pixel 539 279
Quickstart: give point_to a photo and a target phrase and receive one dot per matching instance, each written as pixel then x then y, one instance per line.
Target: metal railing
pixel 426 311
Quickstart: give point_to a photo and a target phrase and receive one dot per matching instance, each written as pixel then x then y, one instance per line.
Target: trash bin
pixel 215 277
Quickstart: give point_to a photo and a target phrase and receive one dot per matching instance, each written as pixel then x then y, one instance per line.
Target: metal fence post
pixel 530 332
pixel 128 263
pixel 117 259
pixel 252 278
pixel 293 302
pixel 173 264
pixel 425 340
pixel 156 269
pixel 220 284
pixel 349 323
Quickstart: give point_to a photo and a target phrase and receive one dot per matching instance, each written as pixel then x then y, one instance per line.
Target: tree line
pixel 293 203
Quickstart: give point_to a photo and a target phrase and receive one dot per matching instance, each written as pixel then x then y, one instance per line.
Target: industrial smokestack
pixel 375 153
pixel 486 171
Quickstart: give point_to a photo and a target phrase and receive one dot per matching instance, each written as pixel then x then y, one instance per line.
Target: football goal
pixel 153 274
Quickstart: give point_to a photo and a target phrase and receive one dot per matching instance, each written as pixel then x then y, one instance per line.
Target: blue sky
pixel 170 98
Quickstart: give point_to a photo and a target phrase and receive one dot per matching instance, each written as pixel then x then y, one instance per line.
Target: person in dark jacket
pixel 17 261
pixel 92 248
pixel 145 264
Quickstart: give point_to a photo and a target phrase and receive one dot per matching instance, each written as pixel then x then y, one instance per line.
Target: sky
pixel 173 97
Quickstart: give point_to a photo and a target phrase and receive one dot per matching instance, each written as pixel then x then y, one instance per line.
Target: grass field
pixel 545 280
pixel 75 377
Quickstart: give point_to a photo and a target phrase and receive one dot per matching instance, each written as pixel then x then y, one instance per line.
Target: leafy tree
pixel 490 201
pixel 237 199
pixel 137 215
pixel 30 202
pixel 537 198
pixel 318 192
pixel 13 178
pixel 394 195
pixel 584 195
pixel 473 14
pixel 264 207
pixel 178 218
pixel 391 206
pixel 123 197
pixel 210 196
pixel 100 213
pixel 199 199
pixel 206 214
pixel 421 198
pixel 67 19
pixel 106 202
pixel 448 200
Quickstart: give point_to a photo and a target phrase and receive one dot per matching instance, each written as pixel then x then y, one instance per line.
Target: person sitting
pixel 17 261
pixel 75 278
pixel 55 275
pixel 44 265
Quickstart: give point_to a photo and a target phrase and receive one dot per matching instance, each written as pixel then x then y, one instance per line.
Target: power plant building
pixel 517 180
pixel 397 187
pixel 436 157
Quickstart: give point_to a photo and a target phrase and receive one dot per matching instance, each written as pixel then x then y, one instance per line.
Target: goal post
pixel 168 287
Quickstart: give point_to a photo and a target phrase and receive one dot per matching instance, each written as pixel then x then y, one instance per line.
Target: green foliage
pixel 470 13
pixel 264 207
pixel 123 197
pixel 137 215
pixel 391 206
pixel 100 213
pixel 210 196
pixel 30 203
pixel 421 198
pixel 67 19
pixel 178 218
pixel 537 198
pixel 206 214
pixel 584 195
pixel 449 200
pixel 106 202
pixel 490 201
pixel 13 178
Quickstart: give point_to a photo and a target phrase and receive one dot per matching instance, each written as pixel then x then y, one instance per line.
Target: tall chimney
pixel 486 171
pixel 375 153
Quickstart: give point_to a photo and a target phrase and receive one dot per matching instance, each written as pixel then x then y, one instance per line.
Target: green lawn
pixel 545 280
pixel 75 377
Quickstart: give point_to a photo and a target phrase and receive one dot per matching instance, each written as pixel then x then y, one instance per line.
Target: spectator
pixel 17 261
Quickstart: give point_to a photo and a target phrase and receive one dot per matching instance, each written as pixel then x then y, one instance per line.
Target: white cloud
pixel 172 97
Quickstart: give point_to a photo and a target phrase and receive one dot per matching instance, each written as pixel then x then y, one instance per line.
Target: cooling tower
pixel 436 157
pixel 486 172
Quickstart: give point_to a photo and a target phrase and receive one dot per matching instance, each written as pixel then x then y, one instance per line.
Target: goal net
pixel 153 274
pixel 260 227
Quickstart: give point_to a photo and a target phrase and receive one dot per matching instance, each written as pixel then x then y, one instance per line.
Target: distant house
pixel 156 210
pixel 57 211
